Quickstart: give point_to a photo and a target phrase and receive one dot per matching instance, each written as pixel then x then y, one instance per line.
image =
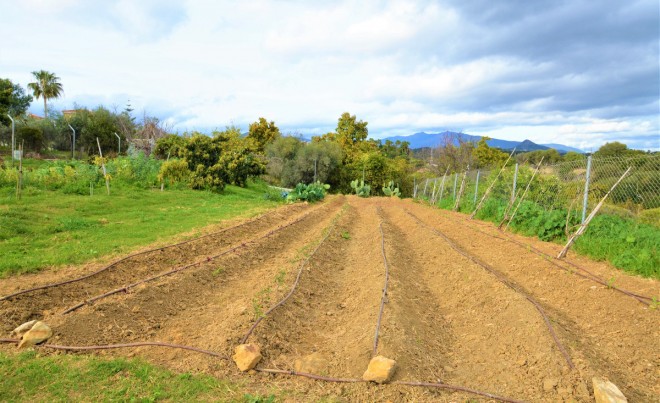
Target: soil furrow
pixel 49 301
pixel 204 307
pixel 609 334
pixel 496 341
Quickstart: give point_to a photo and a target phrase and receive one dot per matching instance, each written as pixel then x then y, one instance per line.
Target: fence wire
pixel 558 186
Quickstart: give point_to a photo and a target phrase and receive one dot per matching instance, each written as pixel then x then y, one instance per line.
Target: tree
pixel 32 137
pixel 101 124
pixel 486 156
pixel 281 155
pixel 613 149
pixel 46 86
pixel 262 133
pixel 13 100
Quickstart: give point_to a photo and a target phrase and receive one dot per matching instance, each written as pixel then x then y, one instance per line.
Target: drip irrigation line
pixel 126 345
pixel 458 389
pixel 404 383
pixel 387 277
pixel 182 268
pixel 553 260
pixel 295 284
pixel 504 281
pixel 113 264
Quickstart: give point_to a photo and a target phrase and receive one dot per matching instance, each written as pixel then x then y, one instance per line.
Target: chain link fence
pixel 556 187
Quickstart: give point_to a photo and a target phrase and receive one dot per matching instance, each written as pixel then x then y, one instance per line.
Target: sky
pixel 575 72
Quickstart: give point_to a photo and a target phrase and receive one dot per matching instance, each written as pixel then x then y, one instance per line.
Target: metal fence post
pixel 586 189
pixel 455 183
pixel 476 186
pixel 515 180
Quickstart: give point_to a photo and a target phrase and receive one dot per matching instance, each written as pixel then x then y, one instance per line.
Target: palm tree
pixel 47 86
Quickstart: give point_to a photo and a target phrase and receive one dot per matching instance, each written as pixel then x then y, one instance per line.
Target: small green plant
pixel 610 282
pixel 279 278
pixel 361 189
pixel 218 271
pixel 391 190
pixel 654 303
pixel 259 301
pixel 345 235
pixel 250 398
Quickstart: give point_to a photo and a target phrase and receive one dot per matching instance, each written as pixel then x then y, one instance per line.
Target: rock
pixel 549 384
pixel 246 356
pixel 19 331
pixel 314 363
pixel 380 370
pixel 39 333
pixel 607 392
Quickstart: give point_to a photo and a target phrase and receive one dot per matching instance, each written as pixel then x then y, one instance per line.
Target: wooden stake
pixel 583 227
pixel 105 174
pixel 523 195
pixel 490 187
pixel 460 190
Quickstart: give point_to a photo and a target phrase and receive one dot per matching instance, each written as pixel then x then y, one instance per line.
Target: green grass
pixel 29 377
pixel 626 243
pixel 50 228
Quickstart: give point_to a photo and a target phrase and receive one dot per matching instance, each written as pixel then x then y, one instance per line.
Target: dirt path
pixel 446 318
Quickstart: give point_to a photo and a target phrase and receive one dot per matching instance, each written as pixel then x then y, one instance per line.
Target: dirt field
pixel 464 307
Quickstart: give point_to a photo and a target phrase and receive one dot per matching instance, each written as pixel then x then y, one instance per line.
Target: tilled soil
pixel 446 319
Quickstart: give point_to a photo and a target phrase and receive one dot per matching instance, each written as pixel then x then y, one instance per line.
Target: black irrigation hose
pixel 405 383
pixel 387 277
pixel 504 281
pixel 182 268
pixel 295 284
pixel 113 264
pixel 553 260
pixel 126 345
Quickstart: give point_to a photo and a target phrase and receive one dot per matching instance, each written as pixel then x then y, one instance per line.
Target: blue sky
pixel 577 72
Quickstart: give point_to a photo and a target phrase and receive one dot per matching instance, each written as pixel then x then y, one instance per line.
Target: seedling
pixel 279 278
pixel 346 235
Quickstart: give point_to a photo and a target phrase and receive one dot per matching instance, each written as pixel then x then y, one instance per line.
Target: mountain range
pixel 422 139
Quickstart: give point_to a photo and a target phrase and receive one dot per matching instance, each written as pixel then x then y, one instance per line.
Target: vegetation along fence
pixel 552 201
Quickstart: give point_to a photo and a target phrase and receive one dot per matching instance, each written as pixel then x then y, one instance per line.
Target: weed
pixel 259 301
pixel 279 278
pixel 218 271
pixel 610 282
pixel 345 235
pixel 250 398
pixel 654 303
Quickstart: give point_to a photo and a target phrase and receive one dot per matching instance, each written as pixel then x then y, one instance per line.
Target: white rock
pixel 607 392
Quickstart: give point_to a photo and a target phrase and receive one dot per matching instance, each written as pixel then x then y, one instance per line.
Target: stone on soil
pixel 607 392
pixel 314 363
pixel 247 356
pixel 39 333
pixel 380 370
pixel 549 384
pixel 19 331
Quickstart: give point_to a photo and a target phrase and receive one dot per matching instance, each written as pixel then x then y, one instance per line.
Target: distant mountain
pixel 422 139
pixel 562 148
pixel 528 145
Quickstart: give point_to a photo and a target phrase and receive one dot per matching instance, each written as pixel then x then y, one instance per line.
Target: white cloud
pixel 402 66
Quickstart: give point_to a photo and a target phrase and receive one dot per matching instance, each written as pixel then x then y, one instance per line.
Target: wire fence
pixel 561 186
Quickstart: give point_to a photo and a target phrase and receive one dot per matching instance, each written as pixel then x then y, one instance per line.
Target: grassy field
pixel 47 228
pixel 60 378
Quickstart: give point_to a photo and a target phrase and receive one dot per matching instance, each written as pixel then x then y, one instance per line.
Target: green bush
pixel 310 193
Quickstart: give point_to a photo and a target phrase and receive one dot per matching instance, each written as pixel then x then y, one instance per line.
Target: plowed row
pixel 446 319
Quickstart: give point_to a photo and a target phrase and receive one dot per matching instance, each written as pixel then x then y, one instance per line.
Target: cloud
pixel 552 71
